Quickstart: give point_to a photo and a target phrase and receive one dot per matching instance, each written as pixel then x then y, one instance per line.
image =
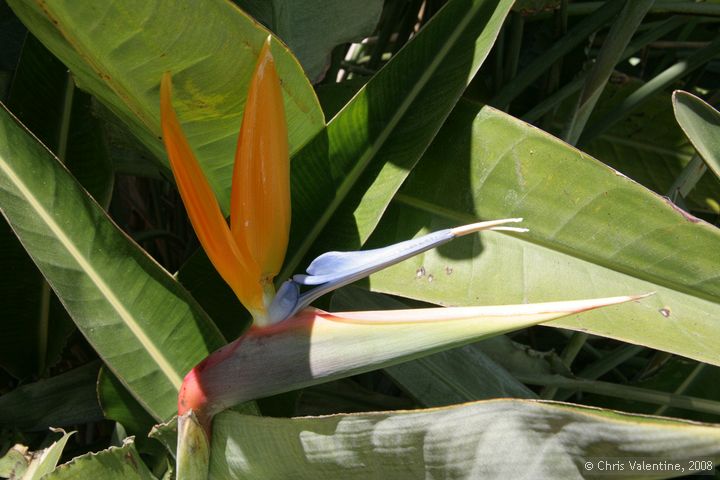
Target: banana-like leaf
pixel 488 439
pixel 114 463
pixel 119 49
pixel 44 99
pixel 593 232
pixel 143 324
pixel 701 124
pixel 315 346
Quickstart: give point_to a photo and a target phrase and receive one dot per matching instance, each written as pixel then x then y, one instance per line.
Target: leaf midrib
pixel 85 265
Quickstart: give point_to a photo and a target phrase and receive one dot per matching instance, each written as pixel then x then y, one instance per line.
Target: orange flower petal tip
pixel 234 265
pixel 260 199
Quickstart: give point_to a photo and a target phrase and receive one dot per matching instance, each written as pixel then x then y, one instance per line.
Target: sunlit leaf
pixel 593 232
pixel 146 328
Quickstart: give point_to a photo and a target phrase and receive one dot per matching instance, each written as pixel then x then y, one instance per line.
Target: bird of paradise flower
pixel 249 253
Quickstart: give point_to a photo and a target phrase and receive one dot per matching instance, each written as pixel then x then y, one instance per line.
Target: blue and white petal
pixel 333 270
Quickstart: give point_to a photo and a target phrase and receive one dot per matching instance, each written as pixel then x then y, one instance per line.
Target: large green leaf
pixel 44 99
pixel 138 318
pixel 593 232
pixel 376 139
pixel 297 24
pixel 491 439
pixel 701 124
pixel 118 50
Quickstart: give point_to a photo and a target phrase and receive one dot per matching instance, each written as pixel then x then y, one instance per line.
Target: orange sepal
pixel 236 268
pixel 260 199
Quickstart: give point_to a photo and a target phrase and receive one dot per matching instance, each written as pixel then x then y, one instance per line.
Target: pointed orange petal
pixel 203 209
pixel 260 200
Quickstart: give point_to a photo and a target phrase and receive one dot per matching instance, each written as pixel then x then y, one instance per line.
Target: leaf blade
pixel 701 124
pixel 110 287
pixel 121 64
pixel 602 235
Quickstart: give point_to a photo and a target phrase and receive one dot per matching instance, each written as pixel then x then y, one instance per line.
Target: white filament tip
pixel 476 227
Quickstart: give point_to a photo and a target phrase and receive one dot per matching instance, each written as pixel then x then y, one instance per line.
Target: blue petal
pixel 334 266
pixel 284 305
pixel 335 269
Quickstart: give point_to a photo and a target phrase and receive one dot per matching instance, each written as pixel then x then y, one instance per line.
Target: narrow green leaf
pixel 119 49
pixel 146 327
pixel 462 441
pixel 628 392
pixel 685 7
pixel 114 463
pixel 577 83
pixel 64 400
pixel 701 124
pixel 593 232
pixel 610 54
pixel 371 145
pixel 579 33
pixel 678 376
pixel 658 83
